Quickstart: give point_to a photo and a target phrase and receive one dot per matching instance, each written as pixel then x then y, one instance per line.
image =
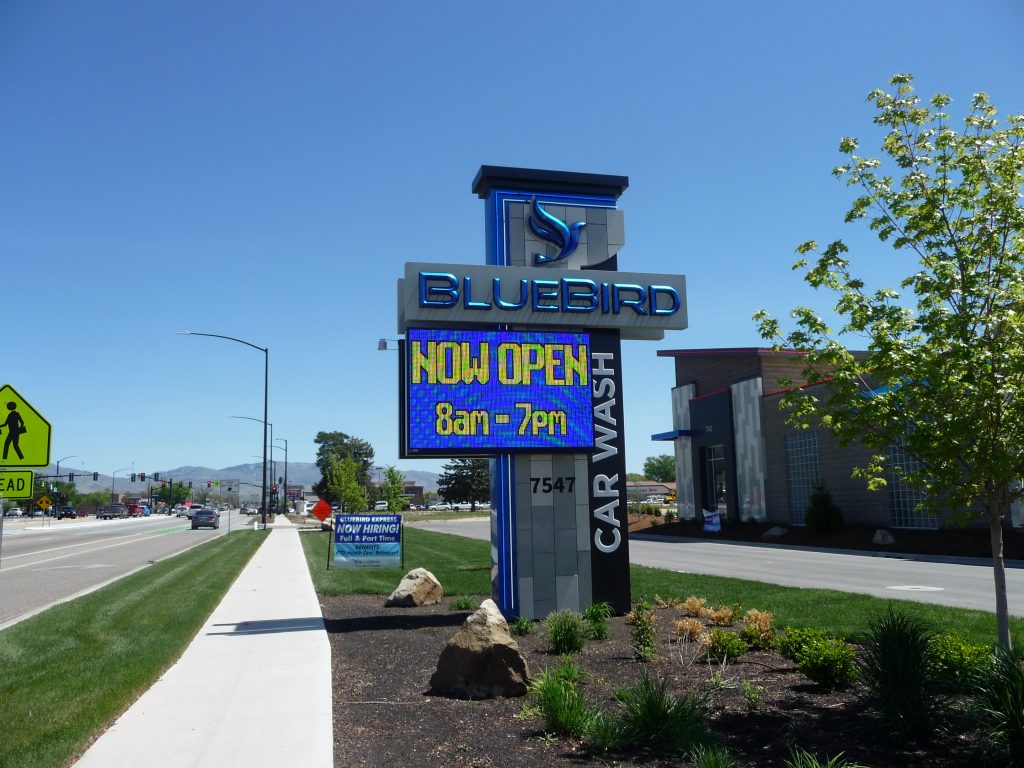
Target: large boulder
pixel 883 538
pixel 481 661
pixel 418 587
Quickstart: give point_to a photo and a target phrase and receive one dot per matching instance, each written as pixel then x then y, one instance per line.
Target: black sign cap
pixel 533 180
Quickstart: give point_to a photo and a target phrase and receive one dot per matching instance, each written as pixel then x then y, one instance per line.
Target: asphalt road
pixel 960 583
pixel 43 562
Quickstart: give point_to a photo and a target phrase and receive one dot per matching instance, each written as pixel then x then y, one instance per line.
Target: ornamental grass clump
pixel 723 616
pixel 898 680
pixel 999 707
pixel 567 631
pixel 562 707
pixel 652 718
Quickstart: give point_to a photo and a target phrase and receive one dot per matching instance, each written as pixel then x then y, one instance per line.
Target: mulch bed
pixel 384 714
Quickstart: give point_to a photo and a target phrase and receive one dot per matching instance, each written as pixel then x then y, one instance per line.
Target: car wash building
pixel 738 460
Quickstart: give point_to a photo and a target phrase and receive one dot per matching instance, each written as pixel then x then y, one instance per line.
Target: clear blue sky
pixel 264 170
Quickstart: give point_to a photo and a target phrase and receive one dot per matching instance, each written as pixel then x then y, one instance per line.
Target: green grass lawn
pixel 68 672
pixel 463 567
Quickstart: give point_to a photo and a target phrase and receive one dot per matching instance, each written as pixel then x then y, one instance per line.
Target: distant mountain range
pixel 299 473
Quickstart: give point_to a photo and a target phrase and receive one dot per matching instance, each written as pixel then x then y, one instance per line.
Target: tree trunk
pixel 995 517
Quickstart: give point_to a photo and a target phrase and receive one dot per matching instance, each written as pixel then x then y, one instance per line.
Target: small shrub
pixel 999 704
pixel 753 694
pixel 956 663
pixel 694 606
pixel 829 662
pixel 793 639
pixel 823 515
pixel 670 603
pixel 723 616
pixel 722 645
pixel 597 616
pixel 799 758
pixel 464 604
pixel 567 631
pixel 894 667
pixel 645 632
pixel 691 629
pixel 758 628
pixel 671 516
pixel 521 626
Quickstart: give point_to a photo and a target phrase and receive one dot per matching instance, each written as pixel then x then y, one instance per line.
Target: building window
pixel 803 464
pixel 903 500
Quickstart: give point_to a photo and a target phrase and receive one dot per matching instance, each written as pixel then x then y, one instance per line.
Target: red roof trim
pixel 710 394
pixel 799 386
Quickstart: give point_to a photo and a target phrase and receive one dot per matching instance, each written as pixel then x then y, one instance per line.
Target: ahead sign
pixel 16 484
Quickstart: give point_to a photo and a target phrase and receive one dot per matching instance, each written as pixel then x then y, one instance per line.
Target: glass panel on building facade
pixel 803 465
pixel 903 500
pixel 714 477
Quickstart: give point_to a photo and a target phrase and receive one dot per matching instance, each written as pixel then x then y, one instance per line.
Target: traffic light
pixel 95 475
pixel 142 476
pixel 189 483
pixel 207 483
pixel 133 477
pixel 156 476
pixel 273 488
pixel 71 477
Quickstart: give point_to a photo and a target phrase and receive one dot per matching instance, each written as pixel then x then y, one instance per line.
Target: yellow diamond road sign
pixel 24 432
pixel 43 502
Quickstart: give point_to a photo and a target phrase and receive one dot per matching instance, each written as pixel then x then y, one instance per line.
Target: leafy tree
pixel 171 494
pixel 342 483
pixel 340 445
pixel 392 488
pixel 93 500
pixel 661 468
pixel 944 365
pixel 465 480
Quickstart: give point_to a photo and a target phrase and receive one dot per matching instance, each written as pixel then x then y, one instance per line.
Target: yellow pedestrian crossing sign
pixel 24 433
pixel 43 502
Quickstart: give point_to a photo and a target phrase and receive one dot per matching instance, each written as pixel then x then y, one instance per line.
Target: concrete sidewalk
pixel 252 689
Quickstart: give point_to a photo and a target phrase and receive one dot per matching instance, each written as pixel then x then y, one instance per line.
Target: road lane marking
pixel 915 588
pixel 70 554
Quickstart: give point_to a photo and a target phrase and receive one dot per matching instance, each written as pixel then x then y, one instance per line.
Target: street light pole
pixel 266 391
pixel 265 425
pixel 113 477
pixel 280 439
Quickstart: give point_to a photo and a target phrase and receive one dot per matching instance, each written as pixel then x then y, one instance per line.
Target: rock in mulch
pixel 481 661
pixel 883 538
pixel 418 587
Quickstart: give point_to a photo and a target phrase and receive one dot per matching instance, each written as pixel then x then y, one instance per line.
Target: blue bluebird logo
pixel 555 231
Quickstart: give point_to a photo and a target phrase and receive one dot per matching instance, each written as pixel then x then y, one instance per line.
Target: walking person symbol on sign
pixel 15 429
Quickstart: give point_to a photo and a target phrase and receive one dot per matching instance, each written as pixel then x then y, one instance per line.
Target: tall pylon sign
pixel 519 360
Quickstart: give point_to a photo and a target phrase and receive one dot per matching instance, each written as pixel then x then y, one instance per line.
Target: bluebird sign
pixel 367 541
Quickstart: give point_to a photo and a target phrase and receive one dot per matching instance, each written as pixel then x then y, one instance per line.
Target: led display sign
pixel 474 392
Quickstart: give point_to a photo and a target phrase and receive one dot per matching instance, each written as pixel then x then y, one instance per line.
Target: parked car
pixel 134 510
pixel 205 518
pixel 12 512
pixel 441 505
pixel 66 511
pixel 380 506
